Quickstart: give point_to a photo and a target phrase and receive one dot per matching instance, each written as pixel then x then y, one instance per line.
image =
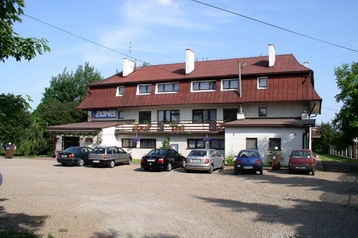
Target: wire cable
pixel 276 26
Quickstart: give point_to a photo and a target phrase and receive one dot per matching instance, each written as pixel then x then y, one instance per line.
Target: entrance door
pixel 68 141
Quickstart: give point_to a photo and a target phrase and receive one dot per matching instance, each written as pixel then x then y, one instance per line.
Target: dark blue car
pixel 248 160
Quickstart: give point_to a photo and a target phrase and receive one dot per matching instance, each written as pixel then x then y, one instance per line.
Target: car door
pixel 173 157
pixel 216 158
pixel 122 155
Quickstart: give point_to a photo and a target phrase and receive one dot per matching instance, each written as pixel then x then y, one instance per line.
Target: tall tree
pixel 347 118
pixel 11 43
pixel 66 91
pixel 14 118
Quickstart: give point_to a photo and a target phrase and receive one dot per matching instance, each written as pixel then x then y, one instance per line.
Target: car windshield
pixel 71 149
pixel 197 153
pixel 157 152
pixel 247 154
pixel 98 150
pixel 301 154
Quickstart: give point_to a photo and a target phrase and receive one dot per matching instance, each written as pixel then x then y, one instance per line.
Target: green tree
pixel 65 93
pixel 347 118
pixel 329 137
pixel 11 43
pixel 14 118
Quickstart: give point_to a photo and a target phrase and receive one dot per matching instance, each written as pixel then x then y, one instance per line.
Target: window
pixel 230 114
pixel 168 87
pixel 230 84
pixel 204 115
pixel 145 116
pixel 120 91
pixel 251 143
pixel 204 85
pixel 218 144
pixel 275 144
pixel 144 89
pixel 262 111
pixel 147 143
pixel 262 83
pixel 168 115
pixel 120 115
pixel 195 143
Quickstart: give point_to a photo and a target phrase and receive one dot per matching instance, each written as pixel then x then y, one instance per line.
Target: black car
pixel 74 155
pixel 162 159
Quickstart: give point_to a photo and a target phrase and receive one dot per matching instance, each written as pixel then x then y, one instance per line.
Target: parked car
pixel 74 155
pixel 248 160
pixel 302 161
pixel 204 160
pixel 108 156
pixel 162 159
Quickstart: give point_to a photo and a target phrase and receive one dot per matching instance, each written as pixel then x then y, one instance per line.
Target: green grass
pixel 334 158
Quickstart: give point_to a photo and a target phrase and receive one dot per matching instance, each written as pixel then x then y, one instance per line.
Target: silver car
pixel 108 156
pixel 204 160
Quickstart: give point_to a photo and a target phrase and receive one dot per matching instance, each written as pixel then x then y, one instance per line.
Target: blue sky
pixel 159 31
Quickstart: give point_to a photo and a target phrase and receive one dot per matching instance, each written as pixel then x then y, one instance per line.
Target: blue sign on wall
pixel 105 114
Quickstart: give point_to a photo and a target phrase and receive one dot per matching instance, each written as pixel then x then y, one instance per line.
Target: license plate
pixel 63 156
pixel 151 160
pixel 248 167
pixel 195 160
pixel 95 161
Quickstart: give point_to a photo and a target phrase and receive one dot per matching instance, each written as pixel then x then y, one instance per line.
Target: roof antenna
pixel 130 47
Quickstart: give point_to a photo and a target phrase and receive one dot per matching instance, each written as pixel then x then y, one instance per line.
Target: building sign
pixel 105 114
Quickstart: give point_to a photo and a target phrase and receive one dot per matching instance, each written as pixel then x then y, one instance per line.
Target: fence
pixel 350 152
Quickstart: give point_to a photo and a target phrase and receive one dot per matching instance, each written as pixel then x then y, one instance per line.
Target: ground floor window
pixel 251 143
pixel 147 143
pixel 128 143
pixel 275 144
pixel 218 144
pixel 195 143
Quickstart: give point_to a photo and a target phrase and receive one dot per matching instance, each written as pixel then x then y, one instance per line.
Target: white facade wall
pixel 291 138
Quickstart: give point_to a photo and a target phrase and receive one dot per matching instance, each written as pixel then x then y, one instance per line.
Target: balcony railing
pixel 180 126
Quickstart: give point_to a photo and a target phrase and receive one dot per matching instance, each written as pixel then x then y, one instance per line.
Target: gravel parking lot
pixel 48 199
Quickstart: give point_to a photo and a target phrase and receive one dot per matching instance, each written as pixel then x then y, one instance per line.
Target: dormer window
pixel 144 89
pixel 120 91
pixel 262 83
pixel 167 87
pixel 229 84
pixel 203 86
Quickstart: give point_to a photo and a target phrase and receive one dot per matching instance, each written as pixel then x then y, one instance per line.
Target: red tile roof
pixel 288 81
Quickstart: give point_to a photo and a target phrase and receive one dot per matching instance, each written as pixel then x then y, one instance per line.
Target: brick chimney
pixel 189 61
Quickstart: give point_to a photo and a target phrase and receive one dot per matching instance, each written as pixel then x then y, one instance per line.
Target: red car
pixel 302 161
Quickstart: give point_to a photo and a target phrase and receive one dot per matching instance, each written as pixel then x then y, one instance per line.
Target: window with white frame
pixel 203 86
pixel 262 82
pixel 168 87
pixel 144 89
pixel 120 91
pixel 229 84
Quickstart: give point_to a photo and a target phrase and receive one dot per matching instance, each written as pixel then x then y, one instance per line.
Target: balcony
pixel 180 127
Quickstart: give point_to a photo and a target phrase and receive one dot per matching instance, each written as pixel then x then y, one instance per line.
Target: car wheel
pixel 236 172
pixel 183 165
pixel 129 161
pixel 261 172
pixel 222 165
pixel 211 169
pixel 112 164
pixel 80 162
pixel 312 172
pixel 169 166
